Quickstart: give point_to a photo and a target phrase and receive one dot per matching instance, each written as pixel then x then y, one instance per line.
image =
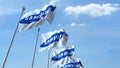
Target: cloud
pixel 73 24
pixel 81 25
pixel 54 1
pixel 59 25
pixel 77 24
pixel 8 11
pixel 92 9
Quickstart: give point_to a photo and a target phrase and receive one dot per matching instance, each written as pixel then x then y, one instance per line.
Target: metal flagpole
pixel 48 59
pixel 81 64
pixel 35 49
pixel 57 66
pixel 23 9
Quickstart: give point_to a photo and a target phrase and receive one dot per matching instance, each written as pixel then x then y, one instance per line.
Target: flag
pixel 73 64
pixel 36 17
pixel 57 38
pixel 62 55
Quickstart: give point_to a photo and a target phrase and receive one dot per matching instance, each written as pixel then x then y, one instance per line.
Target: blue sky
pixel 93 27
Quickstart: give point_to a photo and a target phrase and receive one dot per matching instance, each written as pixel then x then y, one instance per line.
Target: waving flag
pixel 73 64
pixel 57 38
pixel 36 17
pixel 62 55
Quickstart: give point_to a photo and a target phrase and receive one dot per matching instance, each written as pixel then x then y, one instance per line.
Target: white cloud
pixel 92 9
pixel 59 25
pixel 54 1
pixel 8 11
pixel 81 25
pixel 73 24
pixel 77 24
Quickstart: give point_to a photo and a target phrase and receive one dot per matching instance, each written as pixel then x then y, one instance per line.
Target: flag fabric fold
pixel 37 17
pixel 72 64
pixel 62 55
pixel 57 38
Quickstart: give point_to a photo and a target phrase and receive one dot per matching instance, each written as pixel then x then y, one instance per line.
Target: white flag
pixel 36 17
pixel 72 64
pixel 57 38
pixel 62 55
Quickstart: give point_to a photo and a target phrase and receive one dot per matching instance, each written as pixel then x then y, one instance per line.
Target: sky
pixel 93 27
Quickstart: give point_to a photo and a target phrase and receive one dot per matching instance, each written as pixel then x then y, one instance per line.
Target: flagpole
pixel 48 59
pixel 23 9
pixel 81 64
pixel 57 66
pixel 35 49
